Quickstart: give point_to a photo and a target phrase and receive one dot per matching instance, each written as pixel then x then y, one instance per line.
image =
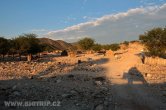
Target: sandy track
pixel 130 93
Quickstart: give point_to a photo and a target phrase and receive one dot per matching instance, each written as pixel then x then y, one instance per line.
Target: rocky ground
pixel 75 85
pixel 95 82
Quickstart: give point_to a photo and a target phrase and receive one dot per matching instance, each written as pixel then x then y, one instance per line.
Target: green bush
pixel 4 46
pixel 106 47
pixel 97 47
pixel 86 43
pixel 155 41
pixel 114 47
pixel 126 43
pixel 26 44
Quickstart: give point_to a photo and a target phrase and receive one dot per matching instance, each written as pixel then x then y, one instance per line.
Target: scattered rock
pixel 75 90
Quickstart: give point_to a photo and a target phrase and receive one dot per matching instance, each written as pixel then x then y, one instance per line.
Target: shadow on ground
pixel 79 89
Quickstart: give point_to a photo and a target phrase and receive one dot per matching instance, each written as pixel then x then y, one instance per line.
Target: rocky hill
pixel 56 44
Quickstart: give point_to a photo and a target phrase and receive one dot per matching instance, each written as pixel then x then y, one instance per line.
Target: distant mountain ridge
pixel 56 44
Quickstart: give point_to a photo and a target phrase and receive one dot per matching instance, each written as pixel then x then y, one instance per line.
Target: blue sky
pixel 44 16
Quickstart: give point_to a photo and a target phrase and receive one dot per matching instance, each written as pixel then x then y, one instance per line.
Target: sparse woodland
pixel 28 45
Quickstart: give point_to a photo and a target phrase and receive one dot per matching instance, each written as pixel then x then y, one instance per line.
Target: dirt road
pixel 131 93
pixel 81 86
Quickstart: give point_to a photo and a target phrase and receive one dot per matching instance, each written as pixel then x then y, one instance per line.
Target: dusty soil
pixel 131 89
pixel 97 83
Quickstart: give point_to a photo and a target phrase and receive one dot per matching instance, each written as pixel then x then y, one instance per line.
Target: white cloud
pixel 89 18
pixel 39 30
pixel 116 27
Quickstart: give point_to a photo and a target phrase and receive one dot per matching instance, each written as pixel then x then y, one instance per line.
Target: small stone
pixel 73 92
pixel 58 81
pixel 33 72
pixel 104 82
pixel 148 75
pixel 16 93
pixel 71 76
pixel 1 68
pixel 77 104
pixel 110 99
pixel 49 63
pixel 59 63
pixel 104 88
pixel 79 61
pixel 86 79
pixel 99 79
pixel 94 65
pixel 66 95
pixel 106 103
pixel 89 59
pixel 118 75
pixel 99 107
pixel 14 87
pixel 32 77
pixel 98 83
pixel 24 77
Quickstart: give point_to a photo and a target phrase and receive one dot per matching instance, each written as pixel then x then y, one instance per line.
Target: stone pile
pixel 153 72
pixel 74 91
pixel 63 80
pixel 15 70
pixel 11 70
pixel 88 66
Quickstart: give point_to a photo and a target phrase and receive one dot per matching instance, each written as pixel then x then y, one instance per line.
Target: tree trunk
pixel 20 56
pixel 3 56
pixel 39 55
pixel 29 57
pixel 13 55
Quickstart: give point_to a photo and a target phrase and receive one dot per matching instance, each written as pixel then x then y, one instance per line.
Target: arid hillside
pixel 56 44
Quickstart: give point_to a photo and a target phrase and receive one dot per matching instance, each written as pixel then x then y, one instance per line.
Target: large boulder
pixel 72 54
pixel 64 53
pixel 109 53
